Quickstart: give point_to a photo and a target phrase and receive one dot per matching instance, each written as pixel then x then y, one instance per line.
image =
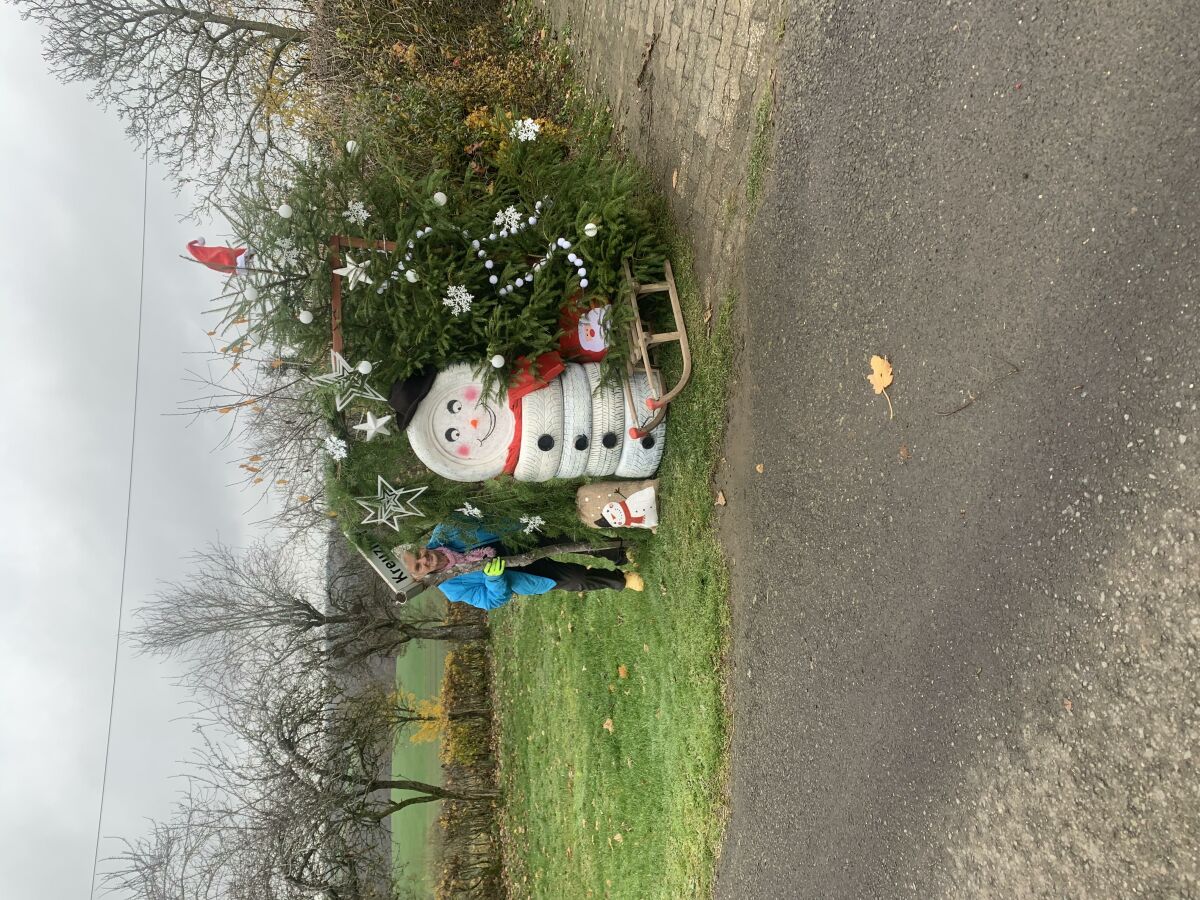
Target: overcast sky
pixel 70 236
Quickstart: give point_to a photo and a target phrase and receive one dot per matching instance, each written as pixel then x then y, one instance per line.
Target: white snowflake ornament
pixel 336 447
pixel 356 212
pixel 525 130
pixel 532 523
pixel 468 510
pixel 458 298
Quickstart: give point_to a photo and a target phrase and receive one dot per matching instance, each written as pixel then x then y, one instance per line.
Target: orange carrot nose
pixel 474 423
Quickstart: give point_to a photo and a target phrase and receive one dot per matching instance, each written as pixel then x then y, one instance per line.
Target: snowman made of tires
pixel 571 425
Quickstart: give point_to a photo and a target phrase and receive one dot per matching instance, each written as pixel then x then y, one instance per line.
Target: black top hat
pixel 406 395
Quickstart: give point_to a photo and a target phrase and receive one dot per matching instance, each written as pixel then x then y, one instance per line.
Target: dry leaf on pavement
pixel 759 468
pixel 720 501
pixel 880 378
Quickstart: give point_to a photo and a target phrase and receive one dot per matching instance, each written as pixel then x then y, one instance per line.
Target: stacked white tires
pixel 578 425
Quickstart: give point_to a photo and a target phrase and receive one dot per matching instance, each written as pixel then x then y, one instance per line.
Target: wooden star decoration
pixel 350 382
pixel 390 505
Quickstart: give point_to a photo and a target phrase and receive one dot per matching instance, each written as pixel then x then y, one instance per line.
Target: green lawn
pixel 418 671
pixel 632 812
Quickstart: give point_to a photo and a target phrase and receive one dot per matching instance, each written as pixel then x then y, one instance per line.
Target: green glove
pixel 493 567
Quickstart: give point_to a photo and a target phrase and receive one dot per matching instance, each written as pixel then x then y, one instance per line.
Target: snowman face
pixel 614 514
pixel 592 330
pixel 457 432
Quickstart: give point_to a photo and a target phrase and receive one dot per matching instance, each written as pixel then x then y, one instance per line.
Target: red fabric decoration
pixel 220 259
pixel 524 381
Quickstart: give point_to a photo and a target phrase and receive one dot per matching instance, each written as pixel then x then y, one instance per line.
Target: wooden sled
pixel 643 341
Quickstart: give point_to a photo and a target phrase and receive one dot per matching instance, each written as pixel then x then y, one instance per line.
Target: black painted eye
pixel 545 442
pixel 453 406
pixel 648 441
pixel 581 442
pixel 610 440
pixel 452 434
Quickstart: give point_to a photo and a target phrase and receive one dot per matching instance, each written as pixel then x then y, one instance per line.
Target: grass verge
pixel 634 811
pixel 760 150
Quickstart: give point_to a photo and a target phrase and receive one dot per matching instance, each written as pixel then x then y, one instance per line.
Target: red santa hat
pixel 220 259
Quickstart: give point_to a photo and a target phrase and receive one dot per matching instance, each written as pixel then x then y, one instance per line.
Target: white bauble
pixel 364 367
pixel 497 361
pixel 591 229
pixel 285 211
pixel 440 198
pixel 351 147
pixel 305 317
pixel 411 276
pixel 250 292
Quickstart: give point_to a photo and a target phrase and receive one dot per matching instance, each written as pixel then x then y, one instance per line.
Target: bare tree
pixel 259 603
pixel 200 83
pixel 288 792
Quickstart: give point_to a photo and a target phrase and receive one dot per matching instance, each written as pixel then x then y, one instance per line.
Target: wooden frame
pixel 335 262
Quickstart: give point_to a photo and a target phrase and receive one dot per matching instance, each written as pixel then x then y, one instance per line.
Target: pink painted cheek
pixel 463 451
pixel 471 394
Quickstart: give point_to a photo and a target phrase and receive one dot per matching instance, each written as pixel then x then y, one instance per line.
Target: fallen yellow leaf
pixel 880 378
pixel 759 468
pixel 881 374
pixel 617 837
pixel 608 725
pixel 622 672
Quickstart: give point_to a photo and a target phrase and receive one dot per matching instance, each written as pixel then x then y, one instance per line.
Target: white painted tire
pixel 640 458
pixel 541 434
pixel 457 435
pixel 608 424
pixel 577 422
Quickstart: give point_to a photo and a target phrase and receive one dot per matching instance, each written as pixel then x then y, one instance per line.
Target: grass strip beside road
pixel 612 723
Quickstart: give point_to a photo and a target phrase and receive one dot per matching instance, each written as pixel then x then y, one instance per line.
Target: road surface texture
pixel 965 639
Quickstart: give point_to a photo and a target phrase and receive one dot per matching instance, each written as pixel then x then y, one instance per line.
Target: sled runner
pixel 643 340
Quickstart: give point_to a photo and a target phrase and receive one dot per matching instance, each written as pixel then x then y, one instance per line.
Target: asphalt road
pixel 966 642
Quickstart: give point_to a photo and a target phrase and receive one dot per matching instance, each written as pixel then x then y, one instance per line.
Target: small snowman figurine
pixel 638 510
